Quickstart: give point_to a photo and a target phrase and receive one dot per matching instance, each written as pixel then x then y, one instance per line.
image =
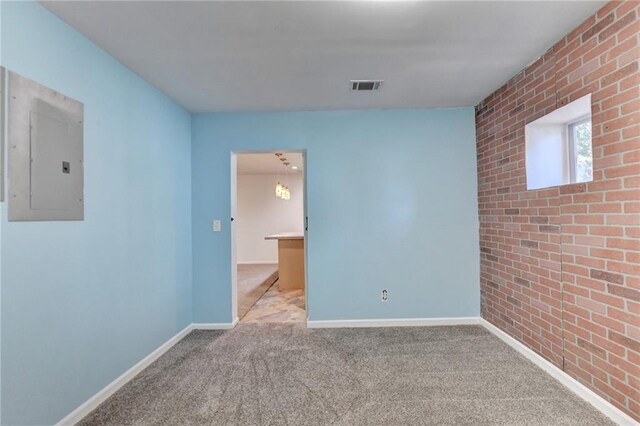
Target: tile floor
pixel 278 307
pixel 254 280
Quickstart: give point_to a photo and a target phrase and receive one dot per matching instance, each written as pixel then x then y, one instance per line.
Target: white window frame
pixel 573 158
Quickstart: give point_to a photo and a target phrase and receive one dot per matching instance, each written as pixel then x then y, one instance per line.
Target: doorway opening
pixel 268 236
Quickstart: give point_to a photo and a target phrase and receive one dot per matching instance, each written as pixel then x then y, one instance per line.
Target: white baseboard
pixel 79 413
pixel 578 388
pixel 215 325
pixel 259 262
pixel 601 404
pixel 395 322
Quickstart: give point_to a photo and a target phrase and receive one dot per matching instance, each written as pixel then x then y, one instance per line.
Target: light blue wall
pixel 391 202
pixel 84 301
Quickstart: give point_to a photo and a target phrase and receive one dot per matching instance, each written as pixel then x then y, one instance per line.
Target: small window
pixel 580 153
pixel 558 146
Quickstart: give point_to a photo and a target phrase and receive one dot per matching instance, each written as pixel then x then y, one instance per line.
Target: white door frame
pixel 234 209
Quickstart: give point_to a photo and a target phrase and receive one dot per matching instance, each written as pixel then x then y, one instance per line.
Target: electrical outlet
pixel 216 226
pixel 384 296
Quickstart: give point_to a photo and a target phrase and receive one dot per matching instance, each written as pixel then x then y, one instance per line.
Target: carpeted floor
pixel 285 374
pixel 253 282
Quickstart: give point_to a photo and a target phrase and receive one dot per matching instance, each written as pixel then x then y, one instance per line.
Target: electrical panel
pixel 45 138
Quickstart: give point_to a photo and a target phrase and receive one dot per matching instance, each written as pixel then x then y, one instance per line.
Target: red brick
pixel 606 253
pixel 630 170
pixel 599 26
pixel 625 292
pixel 619 24
pixel 632 344
pixel 583 238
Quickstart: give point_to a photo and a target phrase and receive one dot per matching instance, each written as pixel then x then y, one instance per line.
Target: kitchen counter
pixel 290 260
pixel 285 236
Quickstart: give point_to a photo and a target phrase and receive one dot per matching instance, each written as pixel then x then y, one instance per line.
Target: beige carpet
pixel 253 281
pixel 286 374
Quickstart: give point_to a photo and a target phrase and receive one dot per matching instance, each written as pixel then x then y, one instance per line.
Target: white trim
pixel 258 262
pixel 576 387
pixel 392 322
pixel 79 413
pixel 233 198
pixel 215 325
pixel 92 403
pixel 601 404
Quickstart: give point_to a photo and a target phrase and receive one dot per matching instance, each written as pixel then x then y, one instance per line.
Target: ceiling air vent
pixel 366 85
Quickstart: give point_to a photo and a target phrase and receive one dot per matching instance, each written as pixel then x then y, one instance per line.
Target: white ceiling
pixel 269 164
pixel 285 55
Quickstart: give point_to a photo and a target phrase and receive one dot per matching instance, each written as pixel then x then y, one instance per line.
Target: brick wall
pixel 560 267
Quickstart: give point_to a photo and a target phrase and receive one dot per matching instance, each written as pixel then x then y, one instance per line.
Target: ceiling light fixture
pixel 282 191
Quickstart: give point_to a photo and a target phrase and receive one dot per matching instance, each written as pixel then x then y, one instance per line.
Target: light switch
pixel 216 226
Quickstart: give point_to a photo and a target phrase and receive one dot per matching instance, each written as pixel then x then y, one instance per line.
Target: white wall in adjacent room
pixel 261 213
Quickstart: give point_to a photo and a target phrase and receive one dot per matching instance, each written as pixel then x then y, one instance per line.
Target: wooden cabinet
pixel 290 260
